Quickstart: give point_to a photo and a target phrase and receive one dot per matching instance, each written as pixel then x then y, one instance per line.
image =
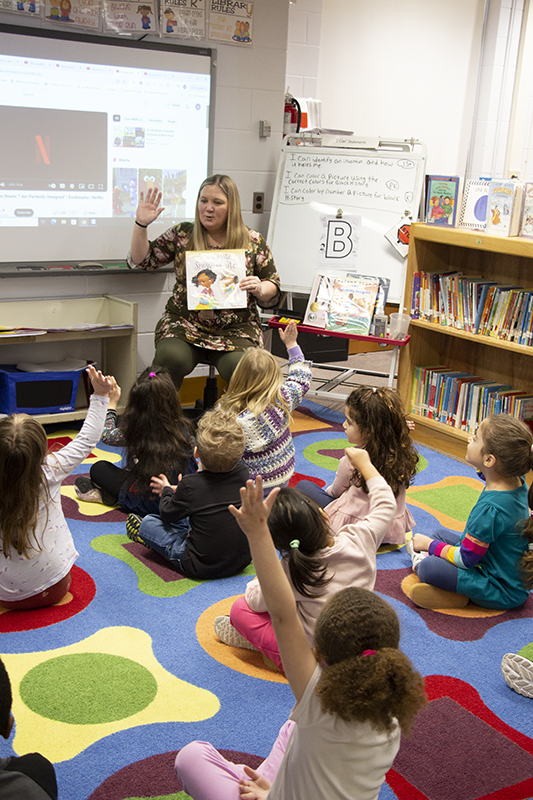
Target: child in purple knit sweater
pixel 263 402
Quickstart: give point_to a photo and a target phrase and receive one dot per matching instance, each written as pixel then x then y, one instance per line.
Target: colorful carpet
pixel 127 670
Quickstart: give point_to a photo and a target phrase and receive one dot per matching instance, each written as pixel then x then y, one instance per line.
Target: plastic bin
pixel 37 392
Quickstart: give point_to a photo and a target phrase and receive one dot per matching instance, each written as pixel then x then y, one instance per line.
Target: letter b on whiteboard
pixel 339 242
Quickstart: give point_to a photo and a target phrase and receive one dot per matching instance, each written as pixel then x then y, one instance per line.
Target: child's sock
pixel 424 595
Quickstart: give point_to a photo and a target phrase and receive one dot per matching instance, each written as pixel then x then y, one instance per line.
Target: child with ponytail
pixel 355 692
pixel 491 562
pixel 317 561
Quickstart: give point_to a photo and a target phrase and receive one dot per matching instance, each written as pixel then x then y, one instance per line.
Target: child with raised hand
pixel 491 562
pixel 37 547
pixel 157 438
pixel 355 692
pixel 194 529
pixel 375 420
pixel 263 403
pixel 317 561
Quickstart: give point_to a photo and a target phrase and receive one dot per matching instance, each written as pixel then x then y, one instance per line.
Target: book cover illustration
pixel 342 302
pixel 213 278
pixel 526 228
pixel 504 207
pixel 442 200
pixel 473 214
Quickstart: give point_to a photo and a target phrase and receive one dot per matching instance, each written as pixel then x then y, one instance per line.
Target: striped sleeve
pixel 465 556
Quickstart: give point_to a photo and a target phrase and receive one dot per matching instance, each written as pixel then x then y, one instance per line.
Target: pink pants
pixel 257 628
pixel 206 775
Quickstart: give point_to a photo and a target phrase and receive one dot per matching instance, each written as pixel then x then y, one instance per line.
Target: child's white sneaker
pixel 227 634
pixel 518 673
pixel 416 558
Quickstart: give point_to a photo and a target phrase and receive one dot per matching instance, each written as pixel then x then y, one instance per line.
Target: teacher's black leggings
pixel 180 358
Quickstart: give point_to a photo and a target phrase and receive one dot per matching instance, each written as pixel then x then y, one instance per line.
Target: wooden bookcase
pixel 116 352
pixel 504 260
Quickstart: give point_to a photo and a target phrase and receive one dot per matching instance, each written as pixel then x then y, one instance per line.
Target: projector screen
pixel 85 126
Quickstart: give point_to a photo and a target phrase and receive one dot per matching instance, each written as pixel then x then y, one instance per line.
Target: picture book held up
pixel 342 301
pixel 213 278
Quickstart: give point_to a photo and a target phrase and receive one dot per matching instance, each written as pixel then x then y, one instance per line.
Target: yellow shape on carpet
pixel 301 422
pixel 175 701
pixel 99 455
pixel 471 610
pixel 248 662
pixel 88 509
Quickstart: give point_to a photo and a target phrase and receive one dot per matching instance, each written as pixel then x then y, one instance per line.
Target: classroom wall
pixel 403 70
pixel 250 87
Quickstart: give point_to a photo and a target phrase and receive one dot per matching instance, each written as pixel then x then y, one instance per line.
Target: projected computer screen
pixel 85 127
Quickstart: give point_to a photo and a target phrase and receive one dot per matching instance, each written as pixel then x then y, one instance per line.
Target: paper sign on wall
pixel 183 19
pixel 231 21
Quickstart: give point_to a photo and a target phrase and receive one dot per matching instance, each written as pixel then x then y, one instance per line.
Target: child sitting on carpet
pixel 263 403
pixel 37 547
pixel 491 562
pixel 354 692
pixel 317 562
pixel 194 529
pixel 31 776
pixel 375 420
pixel 157 438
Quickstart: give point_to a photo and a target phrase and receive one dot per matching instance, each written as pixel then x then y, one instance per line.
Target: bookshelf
pixel 115 350
pixel 501 259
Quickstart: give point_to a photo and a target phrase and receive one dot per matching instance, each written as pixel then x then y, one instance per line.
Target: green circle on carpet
pixel 88 688
pixel 312 452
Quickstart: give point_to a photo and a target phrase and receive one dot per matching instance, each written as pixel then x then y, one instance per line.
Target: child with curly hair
pixel 355 692
pixel 375 420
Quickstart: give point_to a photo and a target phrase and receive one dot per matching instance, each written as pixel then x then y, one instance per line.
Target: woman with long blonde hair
pixel 184 337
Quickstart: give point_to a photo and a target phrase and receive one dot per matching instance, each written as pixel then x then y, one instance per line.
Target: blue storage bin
pixel 37 392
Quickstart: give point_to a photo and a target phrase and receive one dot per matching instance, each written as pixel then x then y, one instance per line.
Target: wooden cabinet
pixel 504 260
pixel 116 353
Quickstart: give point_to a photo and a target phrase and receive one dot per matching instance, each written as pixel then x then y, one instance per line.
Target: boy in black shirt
pixel 194 529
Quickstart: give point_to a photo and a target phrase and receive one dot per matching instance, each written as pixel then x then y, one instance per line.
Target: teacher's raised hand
pixel 148 209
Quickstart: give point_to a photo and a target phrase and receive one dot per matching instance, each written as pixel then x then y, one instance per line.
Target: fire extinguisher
pixel 292 115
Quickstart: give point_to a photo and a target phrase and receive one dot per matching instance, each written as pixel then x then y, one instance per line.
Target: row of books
pixel 475 305
pixel 500 207
pixel 463 401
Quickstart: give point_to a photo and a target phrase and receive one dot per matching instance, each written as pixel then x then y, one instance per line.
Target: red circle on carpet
pixel 82 589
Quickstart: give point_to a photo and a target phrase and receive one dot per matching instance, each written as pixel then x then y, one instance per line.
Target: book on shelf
pixel 473 214
pixel 526 226
pixel 415 296
pixel 524 410
pixel 458 419
pixel 442 200
pixel 504 211
pixel 449 394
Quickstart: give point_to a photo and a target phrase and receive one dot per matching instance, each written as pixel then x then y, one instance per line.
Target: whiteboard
pixel 382 184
